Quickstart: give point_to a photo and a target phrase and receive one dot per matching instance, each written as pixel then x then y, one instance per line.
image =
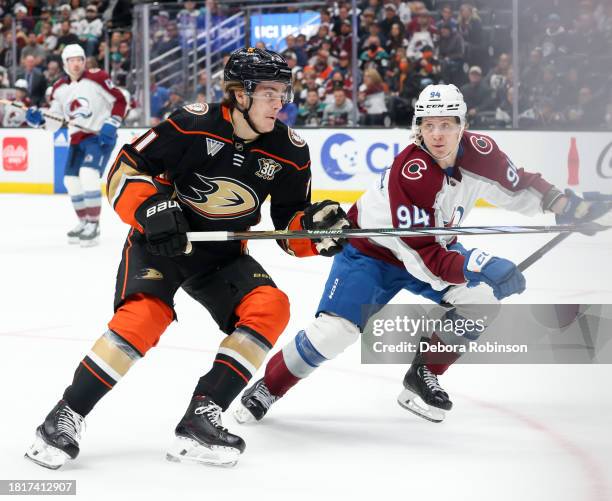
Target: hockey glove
pixel 34 117
pixel 108 132
pixel 500 274
pixel 579 210
pixel 164 226
pixel 326 215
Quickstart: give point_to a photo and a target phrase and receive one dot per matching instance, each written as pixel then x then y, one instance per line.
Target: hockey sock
pixel 77 197
pixel 101 369
pixel 240 355
pixel 90 180
pixel 438 361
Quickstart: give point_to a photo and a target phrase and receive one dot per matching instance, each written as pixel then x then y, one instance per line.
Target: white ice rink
pixel 539 432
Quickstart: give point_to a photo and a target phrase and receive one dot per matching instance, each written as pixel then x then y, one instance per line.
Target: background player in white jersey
pixel 435 181
pixel 95 108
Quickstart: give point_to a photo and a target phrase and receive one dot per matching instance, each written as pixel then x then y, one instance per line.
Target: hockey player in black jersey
pixel 207 167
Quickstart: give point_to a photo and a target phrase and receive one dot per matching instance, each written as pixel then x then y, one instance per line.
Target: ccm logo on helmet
pixel 412 169
pixel 434 106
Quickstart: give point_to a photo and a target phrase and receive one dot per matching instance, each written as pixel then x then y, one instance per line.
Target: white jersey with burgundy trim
pixel 417 192
pixel 87 102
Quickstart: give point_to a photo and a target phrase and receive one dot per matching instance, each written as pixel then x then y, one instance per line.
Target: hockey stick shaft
pixel 221 236
pixel 48 115
pixel 545 249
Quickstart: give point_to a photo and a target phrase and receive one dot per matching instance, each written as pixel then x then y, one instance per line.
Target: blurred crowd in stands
pixel 565 54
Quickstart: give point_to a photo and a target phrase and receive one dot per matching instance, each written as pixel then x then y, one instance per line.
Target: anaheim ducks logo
pixel 220 198
pixel 149 274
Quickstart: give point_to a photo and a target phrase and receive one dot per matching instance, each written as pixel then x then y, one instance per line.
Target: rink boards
pixel 344 161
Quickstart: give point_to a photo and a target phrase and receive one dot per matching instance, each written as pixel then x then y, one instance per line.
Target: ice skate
pixel 422 393
pixel 254 403
pixel 90 234
pixel 57 439
pixel 75 233
pixel 201 437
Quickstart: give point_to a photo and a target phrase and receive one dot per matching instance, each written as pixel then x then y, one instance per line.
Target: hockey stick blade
pixel 212 236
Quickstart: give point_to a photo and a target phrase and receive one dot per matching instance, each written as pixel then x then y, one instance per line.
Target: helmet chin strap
pixel 245 114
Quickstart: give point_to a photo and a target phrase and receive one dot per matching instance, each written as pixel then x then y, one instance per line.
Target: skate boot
pixel 89 235
pixel 201 437
pixel 423 395
pixel 57 439
pixel 75 233
pixel 254 403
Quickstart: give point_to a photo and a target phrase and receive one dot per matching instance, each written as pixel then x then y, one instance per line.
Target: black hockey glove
pixel 578 210
pixel 164 225
pixel 326 215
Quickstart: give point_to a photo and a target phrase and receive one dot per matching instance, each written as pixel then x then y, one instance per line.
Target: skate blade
pixel 43 454
pixel 89 243
pixel 187 450
pixel 415 404
pixel 243 416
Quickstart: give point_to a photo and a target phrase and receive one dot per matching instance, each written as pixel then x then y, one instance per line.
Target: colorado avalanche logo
pixel 482 144
pixel 79 108
pixel 412 169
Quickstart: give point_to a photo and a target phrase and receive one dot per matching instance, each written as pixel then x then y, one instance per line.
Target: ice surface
pixel 516 432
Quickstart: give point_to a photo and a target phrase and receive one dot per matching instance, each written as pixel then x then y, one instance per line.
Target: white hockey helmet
pixel 21 84
pixel 440 101
pixel 72 50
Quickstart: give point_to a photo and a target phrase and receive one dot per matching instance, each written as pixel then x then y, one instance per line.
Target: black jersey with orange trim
pixel 219 180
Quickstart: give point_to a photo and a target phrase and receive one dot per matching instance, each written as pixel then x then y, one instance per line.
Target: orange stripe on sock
pixel 246 380
pixel 92 371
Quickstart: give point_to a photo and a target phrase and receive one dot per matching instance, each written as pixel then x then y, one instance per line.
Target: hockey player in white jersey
pixel 435 181
pixel 94 109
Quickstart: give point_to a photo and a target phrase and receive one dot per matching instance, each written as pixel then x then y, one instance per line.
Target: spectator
pixel 160 25
pixel 47 38
pixel 175 102
pixel 159 96
pixel 66 37
pixel 89 30
pixel 77 13
pixel 372 98
pixel 344 65
pixel 391 18
pixel 420 38
pixel 585 39
pixel 395 40
pixel 367 18
pixel 554 41
pixel 314 42
pixel 470 28
pixel 374 56
pixel 423 22
pixel 547 86
pixel 53 72
pixel 22 20
pixel 300 50
pixel 343 41
pixel 320 64
pixel 569 88
pixel 451 54
pixel 530 73
pixel 216 92
pixel 14 116
pixel 64 15
pixel 541 116
pixel 310 114
pixel 33 49
pixel 339 112
pixel 337 81
pixel 588 113
pixel 498 76
pixel 341 17
pixel 505 108
pixel 477 95
pixel 37 84
pixel 91 63
pixel 446 17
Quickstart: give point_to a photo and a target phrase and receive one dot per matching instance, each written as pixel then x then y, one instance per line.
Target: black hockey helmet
pixel 251 66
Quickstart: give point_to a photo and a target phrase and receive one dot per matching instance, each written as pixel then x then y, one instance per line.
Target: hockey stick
pixel 224 236
pixel 50 116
